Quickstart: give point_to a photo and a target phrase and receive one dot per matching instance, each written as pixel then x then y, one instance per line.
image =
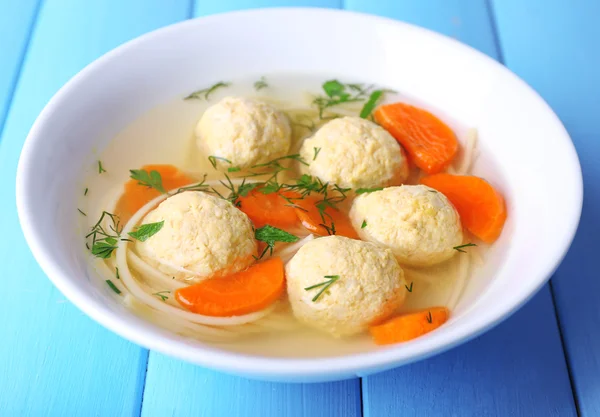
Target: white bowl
pixel 536 164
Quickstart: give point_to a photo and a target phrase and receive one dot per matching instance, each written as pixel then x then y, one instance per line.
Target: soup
pixel 291 216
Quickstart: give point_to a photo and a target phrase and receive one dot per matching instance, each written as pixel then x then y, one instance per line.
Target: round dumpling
pixel 416 222
pixel 243 131
pixel 368 284
pixel 356 153
pixel 203 236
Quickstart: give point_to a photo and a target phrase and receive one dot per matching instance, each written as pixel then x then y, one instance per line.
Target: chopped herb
pixel 146 231
pixel 213 160
pixel 79 210
pixel 100 169
pixel 85 192
pixel 409 289
pixel 87 245
pixel 113 286
pixel 161 295
pixel 371 103
pixel 368 190
pixel 104 242
pixel 317 150
pixel 104 249
pixel 150 179
pixel 364 224
pixel 270 235
pixel 260 84
pixel 428 317
pixel 432 191
pixel 117 273
pixel 466 245
pixel 337 93
pixel 330 279
pixel 245 188
pixel 234 169
pixel 330 229
pixel 199 186
pixel 206 92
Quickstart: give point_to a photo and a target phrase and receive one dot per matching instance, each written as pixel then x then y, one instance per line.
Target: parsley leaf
pixel 371 103
pixel 150 179
pixel 146 231
pixel 270 235
pixel 367 190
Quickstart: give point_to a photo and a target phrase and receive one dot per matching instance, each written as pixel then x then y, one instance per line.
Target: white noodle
pixel 287 253
pixel 464 264
pixel 469 153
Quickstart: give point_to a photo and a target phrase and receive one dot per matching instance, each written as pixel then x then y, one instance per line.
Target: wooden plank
pixel 174 388
pixel 177 389
pixel 53 359
pixel 519 367
pixel 553 45
pixel 16 24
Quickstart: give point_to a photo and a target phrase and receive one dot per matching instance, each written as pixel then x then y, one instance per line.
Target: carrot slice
pixel 481 208
pixel 271 208
pixel 409 326
pixel 136 195
pixel 430 143
pixel 241 293
pixel 310 217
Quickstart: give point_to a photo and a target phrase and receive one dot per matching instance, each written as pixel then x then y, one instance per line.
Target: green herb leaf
pixel 103 249
pixel 271 234
pixel 117 272
pixel 409 289
pixel 150 179
pixel 146 231
pixel 329 280
pixel 364 224
pixel 245 188
pixel 234 169
pixel 371 103
pixel 79 210
pixel 113 286
pixel 100 169
pixel 206 92
pixel 368 190
pixel 260 84
pixel 466 245
pixel 317 150
pixel 334 88
pixel 161 295
pixel 213 160
pixel 429 318
pixel 85 192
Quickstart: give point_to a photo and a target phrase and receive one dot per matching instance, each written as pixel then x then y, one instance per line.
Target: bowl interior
pixel 521 139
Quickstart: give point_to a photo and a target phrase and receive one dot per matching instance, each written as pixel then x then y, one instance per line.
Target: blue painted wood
pixel 516 369
pixel 554 45
pixel 174 388
pixel 203 8
pixel 177 389
pixel 54 361
pixel 16 24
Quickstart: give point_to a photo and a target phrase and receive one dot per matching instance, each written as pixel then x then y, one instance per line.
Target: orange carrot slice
pixel 310 217
pixel 136 195
pixel 270 209
pixel 481 208
pixel 241 293
pixel 409 326
pixel 430 143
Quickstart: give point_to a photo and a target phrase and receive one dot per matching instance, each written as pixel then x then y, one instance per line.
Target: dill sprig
pixel 428 317
pixel 206 92
pixel 105 241
pixel 100 168
pixel 337 93
pixel 260 84
pixel 161 295
pixel 460 247
pixel 329 280
pixel 409 289
pixel 113 286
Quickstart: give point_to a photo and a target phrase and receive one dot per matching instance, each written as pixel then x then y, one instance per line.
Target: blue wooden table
pixel 543 361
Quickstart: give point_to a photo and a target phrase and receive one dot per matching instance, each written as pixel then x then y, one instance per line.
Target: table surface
pixel 543 361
